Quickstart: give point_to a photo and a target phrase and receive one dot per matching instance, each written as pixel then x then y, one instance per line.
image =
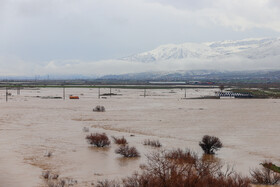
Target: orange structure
pixel 73 97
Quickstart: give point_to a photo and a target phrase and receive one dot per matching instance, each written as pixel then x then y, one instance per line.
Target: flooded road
pixel 31 125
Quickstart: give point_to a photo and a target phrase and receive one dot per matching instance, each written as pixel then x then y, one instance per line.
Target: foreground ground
pixel 31 125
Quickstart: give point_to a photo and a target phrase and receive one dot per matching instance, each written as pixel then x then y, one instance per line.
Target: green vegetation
pixel 272 167
pixel 259 93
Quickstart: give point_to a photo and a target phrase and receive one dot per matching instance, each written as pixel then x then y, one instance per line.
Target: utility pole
pixel 6 94
pixel 18 90
pixel 110 91
pixel 63 92
pixel 145 92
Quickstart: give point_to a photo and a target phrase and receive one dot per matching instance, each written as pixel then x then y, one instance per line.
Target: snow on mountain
pixel 248 48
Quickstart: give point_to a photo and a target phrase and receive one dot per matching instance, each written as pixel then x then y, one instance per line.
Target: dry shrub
pixel 153 143
pixel 210 144
pixel 183 169
pixel 99 108
pixel 127 151
pixel 65 182
pixel 181 156
pixel 265 175
pixel 107 183
pixel 99 140
pixel 119 141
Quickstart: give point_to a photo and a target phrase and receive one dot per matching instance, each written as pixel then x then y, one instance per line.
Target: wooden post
pixel 98 93
pixel 6 94
pixel 18 90
pixel 144 92
pixel 63 93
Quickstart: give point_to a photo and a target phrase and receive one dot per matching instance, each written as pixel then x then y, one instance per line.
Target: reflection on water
pixel 125 162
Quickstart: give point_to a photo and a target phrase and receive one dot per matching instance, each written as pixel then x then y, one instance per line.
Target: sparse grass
pixel 98 140
pixel 119 141
pixel 107 183
pixel 127 151
pixel 153 143
pixel 210 144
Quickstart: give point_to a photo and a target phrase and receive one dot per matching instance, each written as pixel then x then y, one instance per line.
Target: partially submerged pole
pixel 185 92
pixel 98 93
pixel 6 94
pixel 18 90
pixel 63 93
pixel 145 92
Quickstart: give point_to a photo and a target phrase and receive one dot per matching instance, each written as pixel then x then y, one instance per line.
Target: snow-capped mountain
pixel 245 49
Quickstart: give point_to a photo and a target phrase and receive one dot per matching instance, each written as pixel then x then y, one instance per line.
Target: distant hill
pixel 243 49
pixel 237 76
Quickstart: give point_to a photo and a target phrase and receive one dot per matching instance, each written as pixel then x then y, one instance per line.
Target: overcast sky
pixel 36 35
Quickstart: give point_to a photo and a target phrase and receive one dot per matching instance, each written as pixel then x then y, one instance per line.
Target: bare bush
pixel 107 183
pixel 119 141
pixel 127 151
pixel 64 182
pixel 153 143
pixel 99 140
pixel 99 108
pixel 265 176
pixel 182 156
pixel 182 169
pixel 210 144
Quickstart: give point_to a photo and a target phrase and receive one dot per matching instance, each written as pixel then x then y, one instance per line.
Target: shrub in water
pixel 210 144
pixel 182 169
pixel 153 143
pixel 99 140
pixel 120 141
pixel 99 108
pixel 127 151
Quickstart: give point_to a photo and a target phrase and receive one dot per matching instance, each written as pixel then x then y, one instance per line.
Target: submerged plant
pixel 153 143
pixel 127 151
pixel 210 144
pixel 120 141
pixel 99 140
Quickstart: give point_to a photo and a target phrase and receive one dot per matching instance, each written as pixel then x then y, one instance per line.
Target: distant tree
pixel 222 87
pixel 210 144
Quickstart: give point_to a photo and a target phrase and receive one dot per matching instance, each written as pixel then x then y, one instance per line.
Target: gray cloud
pixel 37 32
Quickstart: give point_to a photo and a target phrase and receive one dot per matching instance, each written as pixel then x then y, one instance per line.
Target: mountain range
pixel 254 58
pixel 259 48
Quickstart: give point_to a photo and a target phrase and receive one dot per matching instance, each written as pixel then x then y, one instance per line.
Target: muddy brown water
pixel 30 126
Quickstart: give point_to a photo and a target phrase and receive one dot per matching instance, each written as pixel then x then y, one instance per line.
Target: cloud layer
pixel 65 36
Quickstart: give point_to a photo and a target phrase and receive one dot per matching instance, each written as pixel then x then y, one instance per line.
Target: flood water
pixel 31 125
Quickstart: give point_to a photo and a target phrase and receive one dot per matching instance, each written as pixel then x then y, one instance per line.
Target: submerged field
pixel 33 123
